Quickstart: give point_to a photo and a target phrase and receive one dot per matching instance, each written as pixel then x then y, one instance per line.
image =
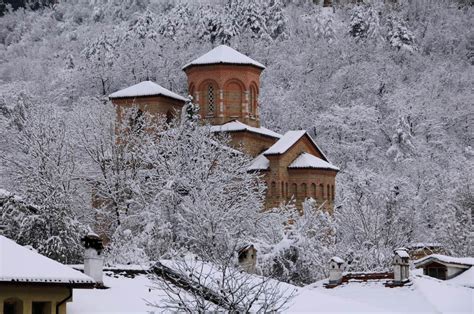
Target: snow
pixel 146 88
pixel 445 297
pixel 260 163
pixel 125 295
pixel 17 263
pixel 465 279
pixel 288 140
pixel 338 260
pixel 235 126
pixel 426 294
pixel 420 245
pixel 402 253
pixel 226 55
pixel 306 160
pixel 467 261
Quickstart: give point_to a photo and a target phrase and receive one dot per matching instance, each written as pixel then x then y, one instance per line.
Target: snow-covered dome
pixel 224 55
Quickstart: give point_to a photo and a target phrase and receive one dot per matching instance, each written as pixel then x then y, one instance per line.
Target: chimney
pixel 93 261
pixel 336 266
pixel 401 266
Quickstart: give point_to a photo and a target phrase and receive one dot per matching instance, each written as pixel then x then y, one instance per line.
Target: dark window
pixel 436 272
pixel 41 308
pixel 13 306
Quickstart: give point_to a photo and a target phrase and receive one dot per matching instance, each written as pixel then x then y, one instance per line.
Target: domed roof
pixel 224 55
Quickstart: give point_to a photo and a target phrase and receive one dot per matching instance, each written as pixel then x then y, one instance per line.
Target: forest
pixel 386 88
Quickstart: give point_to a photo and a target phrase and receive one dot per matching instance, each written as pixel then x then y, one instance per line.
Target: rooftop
pixel 305 160
pixel 19 264
pixel 146 88
pixel 260 163
pixel 224 55
pixel 235 126
pixel 464 261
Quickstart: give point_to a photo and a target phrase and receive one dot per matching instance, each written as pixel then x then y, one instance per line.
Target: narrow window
pixel 210 99
pixel 313 188
pixel 321 189
pixel 328 192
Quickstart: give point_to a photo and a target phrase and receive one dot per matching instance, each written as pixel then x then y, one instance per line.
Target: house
pixel 32 283
pixel 422 249
pixel 226 85
pixel 444 267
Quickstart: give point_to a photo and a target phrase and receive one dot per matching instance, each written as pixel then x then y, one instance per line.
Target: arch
pixel 192 90
pixel 328 192
pixel 233 97
pixel 253 98
pixel 313 191
pixel 332 192
pixel 304 191
pixel 294 190
pixel 12 306
pixel 209 97
pixel 321 189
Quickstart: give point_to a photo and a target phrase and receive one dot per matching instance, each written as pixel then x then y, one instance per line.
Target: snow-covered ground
pixel 426 294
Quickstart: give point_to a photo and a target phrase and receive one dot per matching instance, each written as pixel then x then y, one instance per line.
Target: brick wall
pixel 235 91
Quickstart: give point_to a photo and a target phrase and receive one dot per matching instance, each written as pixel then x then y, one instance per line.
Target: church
pixel 226 84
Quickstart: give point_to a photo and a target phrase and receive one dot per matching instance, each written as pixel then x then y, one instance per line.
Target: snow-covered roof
pixel 337 260
pixel 402 253
pixel 426 294
pixel 305 160
pixel 19 264
pixel 260 163
pixel 463 261
pixel 234 126
pixel 224 55
pixel 288 140
pixel 146 88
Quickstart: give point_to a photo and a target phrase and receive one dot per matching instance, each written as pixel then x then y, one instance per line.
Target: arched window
pixel 294 190
pixel 253 98
pixel 332 192
pixel 233 96
pixel 313 191
pixel 328 191
pixel 211 99
pixel 286 189
pixel 321 189
pixel 282 189
pixel 304 191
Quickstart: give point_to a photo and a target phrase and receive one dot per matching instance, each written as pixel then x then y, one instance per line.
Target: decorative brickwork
pixel 226 92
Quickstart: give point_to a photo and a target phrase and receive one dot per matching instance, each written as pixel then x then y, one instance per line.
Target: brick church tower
pixel 225 84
